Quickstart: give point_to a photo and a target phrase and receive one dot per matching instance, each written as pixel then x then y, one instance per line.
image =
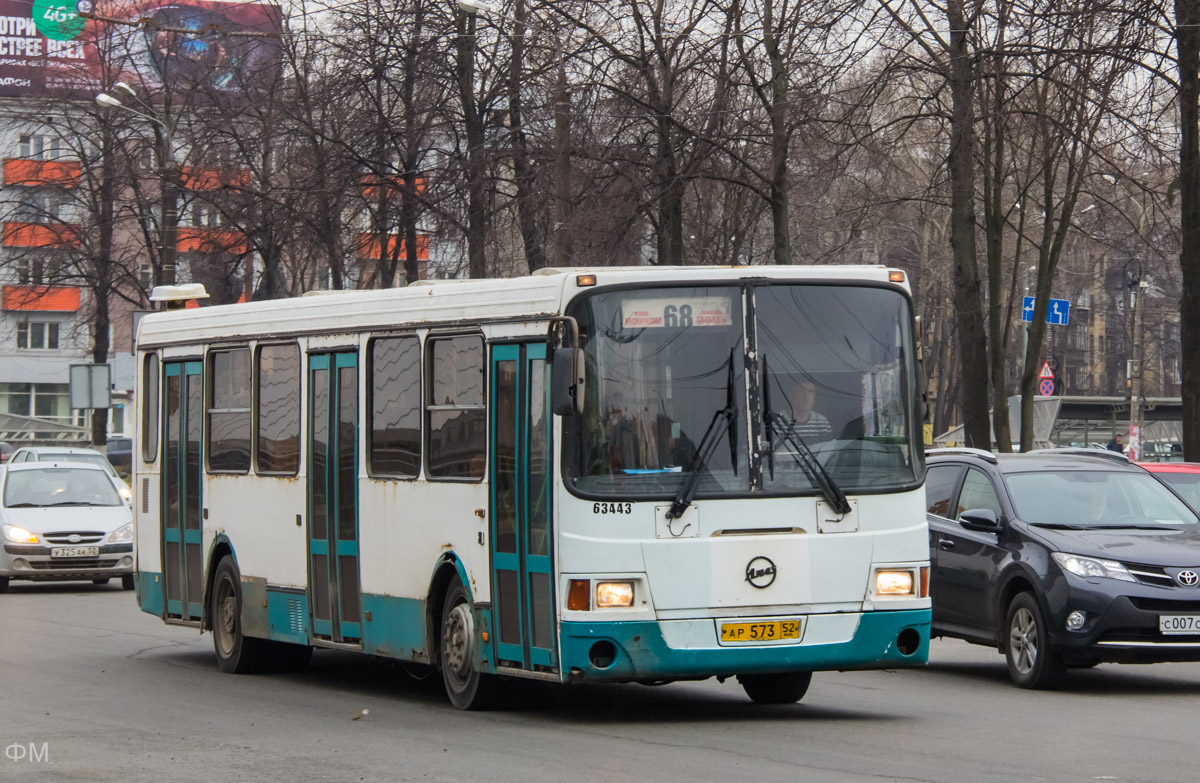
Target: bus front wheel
pixel 236 653
pixel 466 686
pixel 776 688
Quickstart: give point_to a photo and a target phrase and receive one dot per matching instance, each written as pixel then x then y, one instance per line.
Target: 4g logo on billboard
pixel 57 20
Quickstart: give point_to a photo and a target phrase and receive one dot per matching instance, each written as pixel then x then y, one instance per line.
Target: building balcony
pixel 18 233
pixel 40 298
pixel 393 187
pixel 24 171
pixel 214 179
pixel 368 246
pixel 210 240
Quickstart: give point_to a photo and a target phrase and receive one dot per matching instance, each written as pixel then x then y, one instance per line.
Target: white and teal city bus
pixel 612 474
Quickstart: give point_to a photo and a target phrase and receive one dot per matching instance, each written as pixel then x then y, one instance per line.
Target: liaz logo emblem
pixel 760 572
pixel 1187 578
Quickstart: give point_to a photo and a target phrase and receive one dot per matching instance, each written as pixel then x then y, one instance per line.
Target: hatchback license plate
pixel 1179 623
pixel 763 631
pixel 75 551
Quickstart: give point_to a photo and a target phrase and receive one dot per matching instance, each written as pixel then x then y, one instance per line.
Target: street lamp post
pixel 164 133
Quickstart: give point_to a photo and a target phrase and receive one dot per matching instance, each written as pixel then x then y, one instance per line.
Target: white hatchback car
pixel 63 521
pixel 72 454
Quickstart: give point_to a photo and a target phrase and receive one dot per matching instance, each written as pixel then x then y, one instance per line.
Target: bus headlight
pixel 610 594
pixel 894 582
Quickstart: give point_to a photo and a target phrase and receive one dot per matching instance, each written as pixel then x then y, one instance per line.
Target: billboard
pixel 196 49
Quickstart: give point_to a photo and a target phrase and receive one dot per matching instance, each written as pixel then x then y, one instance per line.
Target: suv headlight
pixel 121 534
pixel 1090 566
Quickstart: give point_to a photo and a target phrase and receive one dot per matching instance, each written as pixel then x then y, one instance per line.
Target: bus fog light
pixel 894 583
pixel 610 594
pixel 1075 620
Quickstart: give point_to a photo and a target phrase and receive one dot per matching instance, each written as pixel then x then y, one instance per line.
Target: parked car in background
pixel 5 452
pixel 63 521
pixel 65 453
pixel 119 453
pixel 1061 558
pixel 1183 477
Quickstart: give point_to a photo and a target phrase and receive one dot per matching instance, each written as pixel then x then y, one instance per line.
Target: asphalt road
pixel 102 692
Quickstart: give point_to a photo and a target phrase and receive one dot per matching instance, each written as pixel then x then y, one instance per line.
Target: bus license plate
pixel 1179 623
pixel 75 551
pixel 760 631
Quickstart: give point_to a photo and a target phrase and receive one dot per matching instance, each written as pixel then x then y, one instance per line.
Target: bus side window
pixel 150 411
pixel 277 415
pixel 395 426
pixel 456 416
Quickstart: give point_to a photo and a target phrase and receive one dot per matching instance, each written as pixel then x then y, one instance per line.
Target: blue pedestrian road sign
pixel 1057 314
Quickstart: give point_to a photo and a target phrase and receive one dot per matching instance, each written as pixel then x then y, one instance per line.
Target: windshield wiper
pixel 777 425
pixel 1058 526
pixel 73 503
pixel 723 421
pixel 23 505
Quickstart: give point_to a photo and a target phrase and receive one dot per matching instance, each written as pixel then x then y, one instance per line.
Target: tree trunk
pixel 1187 41
pixel 967 300
pixel 476 205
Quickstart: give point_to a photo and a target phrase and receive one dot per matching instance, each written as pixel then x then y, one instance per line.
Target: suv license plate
pixel 75 551
pixel 762 631
pixel 1179 624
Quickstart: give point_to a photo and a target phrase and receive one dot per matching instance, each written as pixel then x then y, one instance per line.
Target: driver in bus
pixel 809 424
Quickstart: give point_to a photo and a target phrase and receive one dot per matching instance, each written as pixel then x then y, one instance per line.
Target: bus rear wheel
pixel 236 653
pixel 466 686
pixel 776 688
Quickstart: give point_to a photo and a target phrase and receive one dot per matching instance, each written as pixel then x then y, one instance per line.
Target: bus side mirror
pixel 566 382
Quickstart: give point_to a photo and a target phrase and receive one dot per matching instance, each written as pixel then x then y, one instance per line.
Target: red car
pixel 1183 477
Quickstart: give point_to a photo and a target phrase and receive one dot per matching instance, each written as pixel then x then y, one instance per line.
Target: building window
pixel 37 206
pixel 229 411
pixel 277 414
pixel 395 427
pixel 456 420
pixel 37 336
pixel 40 147
pixel 38 269
pixel 50 401
pixel 146 275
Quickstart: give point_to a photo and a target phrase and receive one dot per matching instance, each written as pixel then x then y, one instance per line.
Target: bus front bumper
pixel 683 649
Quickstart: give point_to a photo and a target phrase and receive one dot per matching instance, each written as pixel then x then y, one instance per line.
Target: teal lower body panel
pixel 287 615
pixel 148 587
pixel 640 652
pixel 394 627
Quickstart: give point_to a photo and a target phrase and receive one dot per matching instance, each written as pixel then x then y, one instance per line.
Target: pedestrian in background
pixel 1116 445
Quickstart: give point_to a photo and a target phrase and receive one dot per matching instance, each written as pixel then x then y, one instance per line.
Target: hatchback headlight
pixel 19 535
pixel 1090 566
pixel 121 534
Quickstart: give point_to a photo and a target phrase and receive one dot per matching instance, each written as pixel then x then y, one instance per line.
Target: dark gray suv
pixel 1061 558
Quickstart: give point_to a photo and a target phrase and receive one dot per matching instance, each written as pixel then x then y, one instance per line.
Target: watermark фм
pixel 30 753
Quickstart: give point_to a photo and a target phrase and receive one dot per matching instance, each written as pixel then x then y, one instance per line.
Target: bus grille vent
pixel 295 615
pixel 146 495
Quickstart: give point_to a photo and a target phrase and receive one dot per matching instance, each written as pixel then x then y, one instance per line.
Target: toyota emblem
pixel 760 572
pixel 1187 578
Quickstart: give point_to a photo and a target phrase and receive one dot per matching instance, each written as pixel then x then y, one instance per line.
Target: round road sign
pixel 1046 387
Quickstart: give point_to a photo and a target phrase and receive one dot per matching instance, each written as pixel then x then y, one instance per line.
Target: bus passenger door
pixel 522 557
pixel 183 427
pixel 333 583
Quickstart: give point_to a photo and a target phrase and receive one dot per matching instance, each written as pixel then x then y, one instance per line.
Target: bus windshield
pixel 800 374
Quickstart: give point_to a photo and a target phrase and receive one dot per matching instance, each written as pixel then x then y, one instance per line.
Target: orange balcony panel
pixel 19 234
pixel 368 247
pixel 22 171
pixel 395 186
pixel 209 240
pixel 215 179
pixel 59 299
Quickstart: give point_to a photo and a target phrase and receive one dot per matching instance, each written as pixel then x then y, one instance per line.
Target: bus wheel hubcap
pixel 456 641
